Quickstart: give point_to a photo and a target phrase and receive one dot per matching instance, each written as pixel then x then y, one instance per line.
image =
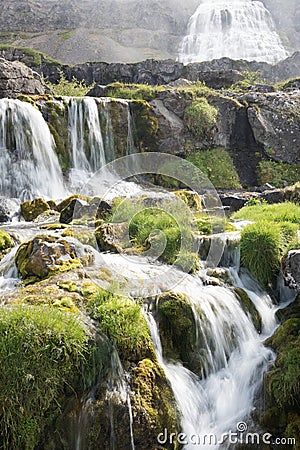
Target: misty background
pixel 75 31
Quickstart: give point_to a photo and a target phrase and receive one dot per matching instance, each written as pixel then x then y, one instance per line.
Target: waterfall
pixel 234 360
pixel 238 29
pixel 87 147
pixel 28 164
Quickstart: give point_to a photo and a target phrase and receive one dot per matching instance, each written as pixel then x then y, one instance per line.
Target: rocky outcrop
pixel 218 74
pixel 16 79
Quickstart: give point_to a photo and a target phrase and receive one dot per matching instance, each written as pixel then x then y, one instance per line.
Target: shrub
pixel 72 88
pixel 278 174
pixel 201 117
pixel 218 166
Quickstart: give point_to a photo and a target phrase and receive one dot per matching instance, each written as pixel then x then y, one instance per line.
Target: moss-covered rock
pixel 113 237
pixel 45 255
pixel 190 198
pixel 249 308
pixel 292 193
pixel 146 125
pixel 282 383
pixel 178 330
pixel 5 241
pixel 32 209
pixel 154 406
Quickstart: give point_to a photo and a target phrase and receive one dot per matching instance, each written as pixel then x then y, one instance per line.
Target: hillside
pixel 116 30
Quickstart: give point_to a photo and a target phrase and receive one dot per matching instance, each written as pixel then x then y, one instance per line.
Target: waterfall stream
pixel 238 29
pixel 29 166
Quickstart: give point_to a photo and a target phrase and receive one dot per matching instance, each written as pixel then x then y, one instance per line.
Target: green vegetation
pixel 278 174
pixel 249 79
pixel 120 318
pixel 286 84
pixel 42 352
pixel 218 166
pixel 67 88
pixel 201 117
pixel 36 56
pixel 279 212
pixel 5 240
pixel 264 242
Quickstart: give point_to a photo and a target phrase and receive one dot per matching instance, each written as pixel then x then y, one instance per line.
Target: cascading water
pixel 28 164
pixel 234 360
pixel 238 29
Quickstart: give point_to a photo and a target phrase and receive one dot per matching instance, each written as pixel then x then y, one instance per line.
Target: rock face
pixel 291 269
pixel 16 79
pixel 219 73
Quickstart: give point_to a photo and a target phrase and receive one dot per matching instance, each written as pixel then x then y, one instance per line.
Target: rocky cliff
pixel 116 30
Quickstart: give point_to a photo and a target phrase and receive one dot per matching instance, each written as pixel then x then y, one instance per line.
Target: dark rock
pixel 98 91
pixel 74 210
pixel 235 202
pixel 16 79
pixel 264 88
pixel 273 196
pixel 291 269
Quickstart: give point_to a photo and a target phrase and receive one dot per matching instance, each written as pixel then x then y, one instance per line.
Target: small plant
pixel 72 88
pixel 201 117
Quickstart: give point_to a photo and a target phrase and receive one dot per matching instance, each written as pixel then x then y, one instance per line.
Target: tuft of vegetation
pixel 67 88
pixel 218 166
pixel 278 174
pixel 279 212
pixel 250 78
pixel 264 242
pixel 120 319
pixel 36 56
pixel 42 352
pixel 201 117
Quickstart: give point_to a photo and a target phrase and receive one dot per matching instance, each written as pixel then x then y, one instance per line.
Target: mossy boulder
pixel 32 209
pixel 178 330
pixel 190 198
pixel 5 241
pixel 83 208
pixel 113 237
pixel 292 193
pixel 46 255
pixel 282 383
pixel 154 406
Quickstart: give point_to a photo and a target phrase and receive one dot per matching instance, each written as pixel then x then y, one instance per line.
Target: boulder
pixel 32 209
pixel 16 79
pixel 291 269
pixel 46 255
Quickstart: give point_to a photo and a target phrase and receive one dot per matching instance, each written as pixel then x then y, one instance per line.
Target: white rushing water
pixel 238 29
pixel 214 402
pixel 28 164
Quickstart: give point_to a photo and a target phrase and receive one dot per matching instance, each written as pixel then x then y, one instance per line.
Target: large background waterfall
pixel 238 29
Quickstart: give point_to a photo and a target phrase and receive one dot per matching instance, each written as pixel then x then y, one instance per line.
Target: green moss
pixel 200 117
pixel 178 329
pixel 278 174
pixel 190 198
pixel 32 209
pixel 42 354
pixel 133 91
pixel 154 404
pixel 121 320
pixel 218 166
pixel 5 241
pixel 146 125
